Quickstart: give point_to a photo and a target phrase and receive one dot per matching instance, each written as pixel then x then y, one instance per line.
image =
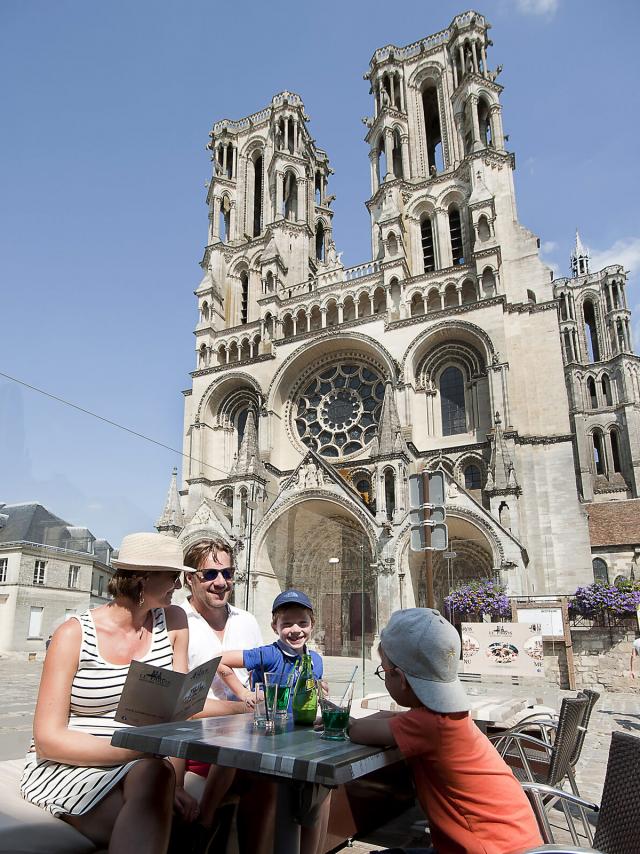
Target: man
pixel 214 624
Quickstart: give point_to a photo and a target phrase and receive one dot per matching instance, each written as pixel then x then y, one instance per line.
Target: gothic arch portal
pixel 319 543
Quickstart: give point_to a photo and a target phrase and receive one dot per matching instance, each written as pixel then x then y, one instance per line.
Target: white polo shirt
pixel 241 632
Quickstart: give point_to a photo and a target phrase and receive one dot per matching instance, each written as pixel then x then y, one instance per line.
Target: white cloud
pixel 548 247
pixel 625 252
pixel 538 7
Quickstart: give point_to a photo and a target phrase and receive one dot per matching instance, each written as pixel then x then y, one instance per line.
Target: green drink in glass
pixel 335 704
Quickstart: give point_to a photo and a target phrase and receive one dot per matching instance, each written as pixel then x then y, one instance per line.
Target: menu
pixel 156 695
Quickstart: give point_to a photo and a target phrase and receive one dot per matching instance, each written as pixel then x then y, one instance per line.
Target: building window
pixel 101 585
pixel 38 571
pixel 74 576
pixel 4 563
pixel 338 409
pixel 472 478
pixel 600 571
pixel 428 254
pixel 35 621
pixel 452 402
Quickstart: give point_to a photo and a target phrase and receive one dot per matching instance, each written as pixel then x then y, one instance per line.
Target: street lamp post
pixel 333 562
pixel 362 614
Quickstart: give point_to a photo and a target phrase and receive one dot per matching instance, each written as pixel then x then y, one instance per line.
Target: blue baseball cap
pixel 292 597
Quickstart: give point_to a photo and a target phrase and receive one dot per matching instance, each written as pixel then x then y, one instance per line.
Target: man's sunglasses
pixel 212 574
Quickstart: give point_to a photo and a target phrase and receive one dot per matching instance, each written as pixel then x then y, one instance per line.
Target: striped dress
pixel 95 693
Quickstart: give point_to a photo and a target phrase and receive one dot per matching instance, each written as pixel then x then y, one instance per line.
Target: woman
pixel 114 796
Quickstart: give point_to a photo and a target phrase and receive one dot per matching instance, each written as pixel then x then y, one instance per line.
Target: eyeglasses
pixel 212 574
pixel 380 671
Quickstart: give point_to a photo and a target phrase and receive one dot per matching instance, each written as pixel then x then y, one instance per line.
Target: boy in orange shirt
pixel 472 800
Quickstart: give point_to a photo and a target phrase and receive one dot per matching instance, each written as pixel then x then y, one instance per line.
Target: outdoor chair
pixel 547 726
pixel 545 758
pixel 617 828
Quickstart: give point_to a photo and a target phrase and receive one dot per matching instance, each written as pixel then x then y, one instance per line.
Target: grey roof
pixel 33 523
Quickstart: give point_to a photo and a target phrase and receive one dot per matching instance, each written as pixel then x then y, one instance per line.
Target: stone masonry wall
pixel 601 659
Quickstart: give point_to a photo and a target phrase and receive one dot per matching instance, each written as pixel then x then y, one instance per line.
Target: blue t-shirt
pixel 276 658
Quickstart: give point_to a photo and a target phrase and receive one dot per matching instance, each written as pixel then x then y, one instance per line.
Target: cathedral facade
pixel 319 388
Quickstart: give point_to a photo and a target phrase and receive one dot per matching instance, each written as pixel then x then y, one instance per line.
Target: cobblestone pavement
pixel 19 679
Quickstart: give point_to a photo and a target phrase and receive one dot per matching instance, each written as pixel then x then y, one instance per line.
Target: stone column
pixel 323 312
pixel 216 218
pixel 224 159
pixel 232 222
pixel 495 119
pixel 442 240
pixel 475 126
pixel 406 168
pixel 462 62
pixel 483 56
pixel 459 294
pixel 373 162
pixel 388 153
pixel 279 192
pixel 340 313
pixel 474 55
pixel 286 134
pixel 302 199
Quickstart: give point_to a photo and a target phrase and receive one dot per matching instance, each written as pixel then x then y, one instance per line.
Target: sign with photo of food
pixel 511 649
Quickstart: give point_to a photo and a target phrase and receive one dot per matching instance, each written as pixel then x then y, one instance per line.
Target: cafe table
pixel 305 765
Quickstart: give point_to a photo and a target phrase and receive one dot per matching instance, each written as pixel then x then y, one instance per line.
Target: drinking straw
pixel 351 679
pixel 266 704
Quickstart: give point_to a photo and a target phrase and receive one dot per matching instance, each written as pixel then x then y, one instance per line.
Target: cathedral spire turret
pixel 501 477
pixel 248 459
pixel 389 440
pixel 171 521
pixel 579 258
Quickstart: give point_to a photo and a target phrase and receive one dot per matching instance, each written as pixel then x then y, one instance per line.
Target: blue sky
pixel 105 110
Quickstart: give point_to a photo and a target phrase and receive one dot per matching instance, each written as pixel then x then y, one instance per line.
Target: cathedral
pixel 319 388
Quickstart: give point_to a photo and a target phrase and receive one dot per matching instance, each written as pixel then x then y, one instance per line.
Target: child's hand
pixel 185 805
pixel 249 699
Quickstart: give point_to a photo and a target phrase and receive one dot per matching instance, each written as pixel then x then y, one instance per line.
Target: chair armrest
pixel 561 849
pixel 519 737
pixel 543 789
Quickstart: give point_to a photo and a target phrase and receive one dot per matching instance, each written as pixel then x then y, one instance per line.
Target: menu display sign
pixel 156 695
pixel 505 649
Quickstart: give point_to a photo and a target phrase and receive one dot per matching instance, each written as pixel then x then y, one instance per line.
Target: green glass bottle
pixel 305 694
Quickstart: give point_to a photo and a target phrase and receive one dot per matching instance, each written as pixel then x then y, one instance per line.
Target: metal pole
pixel 428 555
pixel 251 506
pixel 362 614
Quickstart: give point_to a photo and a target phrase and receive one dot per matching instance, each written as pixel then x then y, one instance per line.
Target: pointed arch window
pixel 615 451
pixel 600 571
pixel 390 492
pixel 598 453
pixel 591 388
pixel 244 296
pixel 428 254
pixel 606 390
pixel 320 241
pixel 433 134
pixel 290 196
pixel 257 196
pixel 452 403
pixel 591 331
pixel 455 232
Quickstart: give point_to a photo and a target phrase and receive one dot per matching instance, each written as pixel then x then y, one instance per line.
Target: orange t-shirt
pixel 474 803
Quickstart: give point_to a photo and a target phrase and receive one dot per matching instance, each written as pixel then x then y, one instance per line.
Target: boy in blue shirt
pixel 293 621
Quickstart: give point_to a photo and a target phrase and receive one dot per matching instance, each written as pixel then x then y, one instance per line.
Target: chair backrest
pixel 570 718
pixel 618 829
pixel 592 697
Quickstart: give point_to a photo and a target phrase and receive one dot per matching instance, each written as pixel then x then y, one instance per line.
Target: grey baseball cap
pixel 426 647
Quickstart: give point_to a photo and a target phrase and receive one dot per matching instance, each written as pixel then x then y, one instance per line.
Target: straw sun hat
pixel 148 552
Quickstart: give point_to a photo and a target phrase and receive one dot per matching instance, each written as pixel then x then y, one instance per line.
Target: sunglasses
pixel 212 574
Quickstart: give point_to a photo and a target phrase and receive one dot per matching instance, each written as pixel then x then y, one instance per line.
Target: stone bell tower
pixel 270 227
pixel 438 159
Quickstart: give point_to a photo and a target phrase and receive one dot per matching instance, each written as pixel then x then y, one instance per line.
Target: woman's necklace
pixel 141 632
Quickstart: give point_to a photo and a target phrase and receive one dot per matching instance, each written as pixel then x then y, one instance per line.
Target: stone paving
pixel 615 711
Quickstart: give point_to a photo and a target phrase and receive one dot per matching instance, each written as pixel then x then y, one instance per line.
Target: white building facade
pixel 319 388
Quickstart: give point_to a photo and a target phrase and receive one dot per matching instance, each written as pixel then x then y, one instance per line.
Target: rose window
pixel 337 410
